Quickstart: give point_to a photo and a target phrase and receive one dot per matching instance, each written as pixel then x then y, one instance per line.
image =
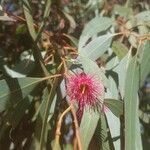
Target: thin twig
pixel 58 133
pixel 76 127
pixel 48 104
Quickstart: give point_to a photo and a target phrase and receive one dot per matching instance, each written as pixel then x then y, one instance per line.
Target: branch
pixel 76 127
pixel 58 133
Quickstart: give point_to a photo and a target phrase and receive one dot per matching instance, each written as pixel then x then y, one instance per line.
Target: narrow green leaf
pixel 88 125
pixel 49 101
pixel 113 88
pixel 46 14
pixel 114 127
pixel 39 117
pixel 47 8
pixel 104 133
pixel 132 136
pixel 121 70
pixel 28 15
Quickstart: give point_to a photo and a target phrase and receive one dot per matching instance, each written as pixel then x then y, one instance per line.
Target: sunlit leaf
pixel 97 46
pixel 132 135
pixel 93 27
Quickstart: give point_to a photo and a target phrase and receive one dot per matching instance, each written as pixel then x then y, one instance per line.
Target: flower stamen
pixel 83 87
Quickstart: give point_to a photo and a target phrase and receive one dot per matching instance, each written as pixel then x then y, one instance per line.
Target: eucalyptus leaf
pixel 114 127
pixel 121 70
pixel 97 47
pixel 116 106
pixel 113 88
pixel 28 15
pixel 132 135
pixel 93 27
pixel 144 61
pixel 88 125
pixel 144 16
pixel 105 134
pixel 15 89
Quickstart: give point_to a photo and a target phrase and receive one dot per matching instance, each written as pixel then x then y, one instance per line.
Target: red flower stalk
pixel 86 89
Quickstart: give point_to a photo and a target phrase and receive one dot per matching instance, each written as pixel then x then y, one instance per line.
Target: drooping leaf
pixel 101 138
pixel 88 125
pixel 105 135
pixel 114 127
pixel 21 69
pixel 132 135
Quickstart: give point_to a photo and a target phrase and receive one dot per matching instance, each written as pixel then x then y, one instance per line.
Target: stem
pixel 48 104
pixel 76 127
pixel 58 133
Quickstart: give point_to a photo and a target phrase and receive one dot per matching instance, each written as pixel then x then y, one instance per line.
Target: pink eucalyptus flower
pixel 86 89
